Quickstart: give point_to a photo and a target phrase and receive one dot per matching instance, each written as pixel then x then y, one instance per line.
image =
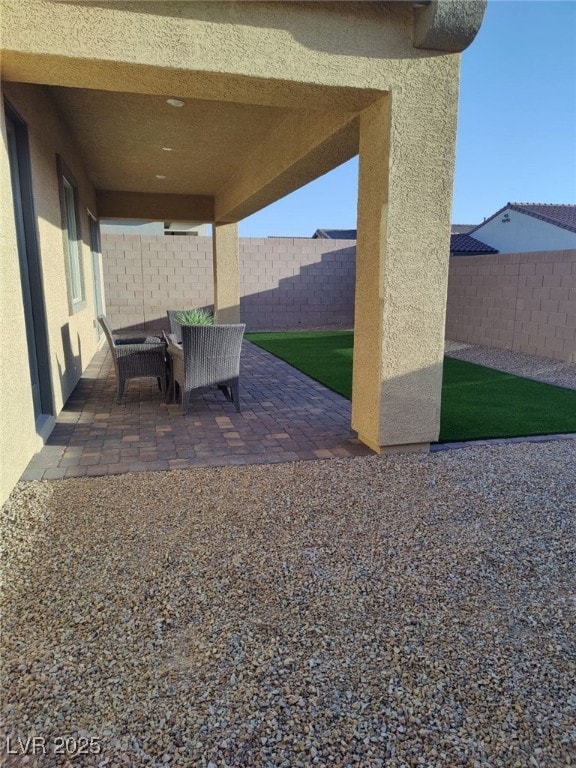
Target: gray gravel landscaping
pixel 408 610
pixel 557 372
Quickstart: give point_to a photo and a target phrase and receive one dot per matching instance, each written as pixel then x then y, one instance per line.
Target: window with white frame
pixel 72 237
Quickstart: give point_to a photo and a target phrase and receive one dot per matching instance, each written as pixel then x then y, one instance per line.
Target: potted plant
pixel 195 317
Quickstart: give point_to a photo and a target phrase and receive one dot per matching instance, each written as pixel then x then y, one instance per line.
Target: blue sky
pixel 516 127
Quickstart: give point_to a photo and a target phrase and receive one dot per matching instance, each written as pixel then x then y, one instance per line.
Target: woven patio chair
pixel 135 358
pixel 209 355
pixel 175 327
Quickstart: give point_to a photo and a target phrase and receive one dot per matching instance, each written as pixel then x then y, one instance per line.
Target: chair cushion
pixel 139 340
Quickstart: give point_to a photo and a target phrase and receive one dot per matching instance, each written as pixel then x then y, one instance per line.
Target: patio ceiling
pixel 204 160
pixel 122 137
pixel 272 92
pixel 252 128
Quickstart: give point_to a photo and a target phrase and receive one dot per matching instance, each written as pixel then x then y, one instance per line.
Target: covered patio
pixel 286 416
pixel 207 113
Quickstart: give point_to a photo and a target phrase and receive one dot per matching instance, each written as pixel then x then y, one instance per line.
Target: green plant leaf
pixel 195 317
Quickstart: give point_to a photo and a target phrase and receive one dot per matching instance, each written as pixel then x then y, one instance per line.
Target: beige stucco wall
pixel 277 45
pixel 226 271
pixel 405 189
pixel 72 338
pixel 16 409
pixel 321 62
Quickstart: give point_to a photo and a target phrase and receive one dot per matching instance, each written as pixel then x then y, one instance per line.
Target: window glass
pixel 73 245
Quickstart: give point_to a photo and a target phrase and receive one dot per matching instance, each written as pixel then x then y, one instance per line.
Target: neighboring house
pixel 111 227
pixel 335 234
pixel 466 245
pixel 209 112
pixel 515 228
pixel 523 227
pixel 460 244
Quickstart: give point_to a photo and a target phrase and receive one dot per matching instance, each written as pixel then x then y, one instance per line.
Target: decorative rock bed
pixel 384 611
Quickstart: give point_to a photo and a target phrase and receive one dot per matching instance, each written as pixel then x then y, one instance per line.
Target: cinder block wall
pixel 144 275
pixel 284 282
pixel 292 282
pixel 520 301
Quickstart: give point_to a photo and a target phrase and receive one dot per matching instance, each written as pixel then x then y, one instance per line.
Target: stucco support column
pixel 226 264
pixel 405 191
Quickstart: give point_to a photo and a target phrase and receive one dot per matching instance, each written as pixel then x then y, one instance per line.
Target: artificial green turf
pixel 477 402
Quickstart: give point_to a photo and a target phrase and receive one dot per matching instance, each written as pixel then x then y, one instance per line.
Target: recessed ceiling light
pixel 167 149
pixel 159 176
pixel 175 102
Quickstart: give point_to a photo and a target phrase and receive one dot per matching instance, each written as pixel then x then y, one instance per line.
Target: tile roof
pixel 560 215
pixel 462 229
pixel 459 243
pixel 466 244
pixel 336 234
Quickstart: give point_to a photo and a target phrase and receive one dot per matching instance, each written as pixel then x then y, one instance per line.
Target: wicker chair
pixel 134 358
pixel 209 355
pixel 175 327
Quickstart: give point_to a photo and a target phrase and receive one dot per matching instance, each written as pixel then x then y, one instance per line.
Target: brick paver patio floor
pixel 286 416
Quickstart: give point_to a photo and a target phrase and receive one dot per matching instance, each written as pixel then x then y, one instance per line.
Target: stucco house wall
pixel 72 338
pixel 515 232
pixel 284 282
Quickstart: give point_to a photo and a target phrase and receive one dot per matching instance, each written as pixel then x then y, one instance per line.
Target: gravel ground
pixel 408 610
pixel 544 369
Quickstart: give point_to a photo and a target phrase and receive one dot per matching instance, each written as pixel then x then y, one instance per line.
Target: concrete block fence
pixel 284 282
pixel 520 301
